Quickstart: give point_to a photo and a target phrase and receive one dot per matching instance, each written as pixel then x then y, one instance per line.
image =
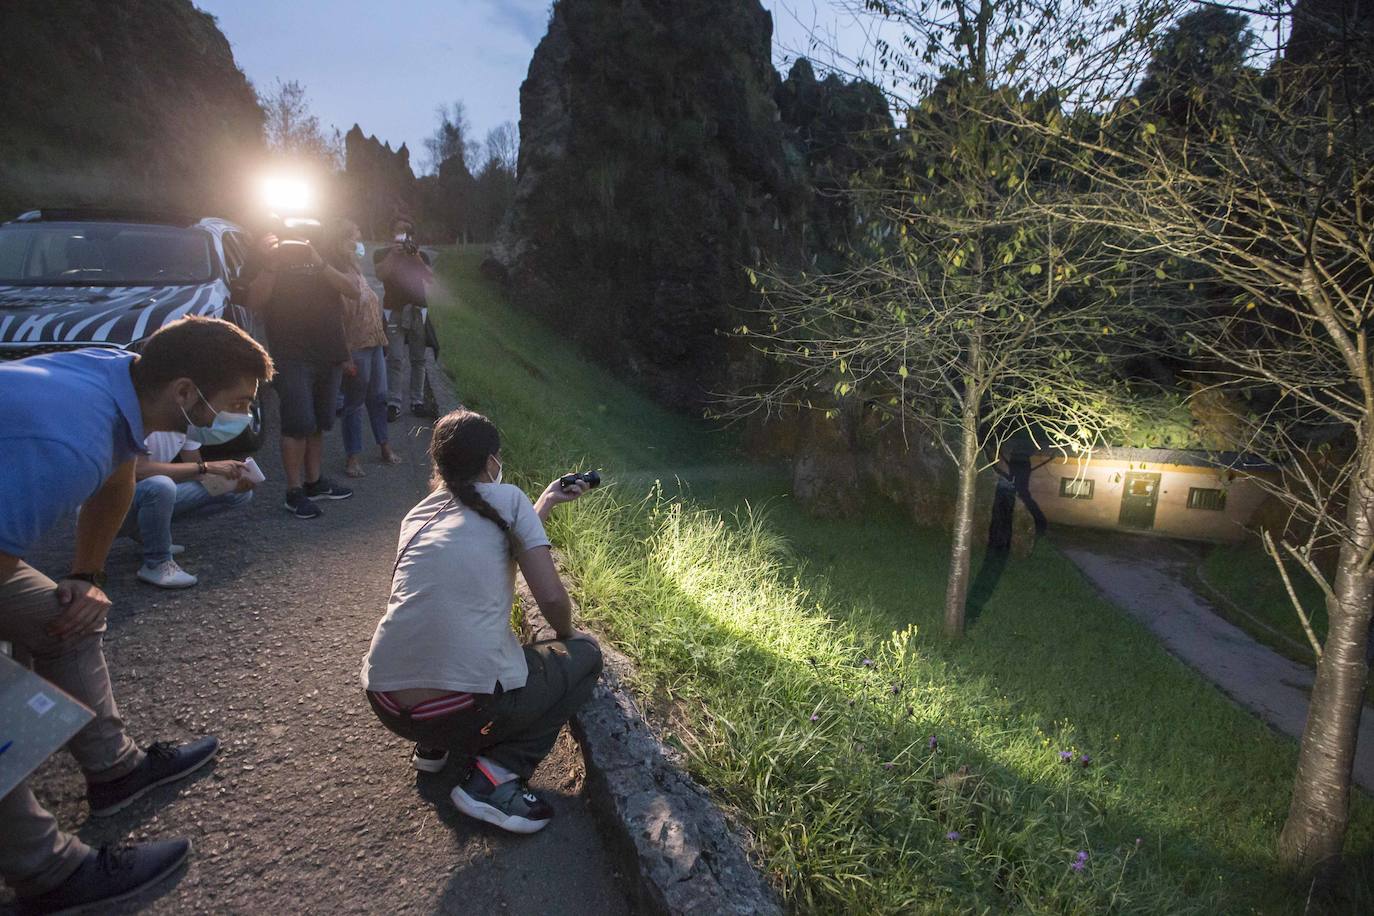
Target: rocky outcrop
pixel 136 103
pixel 378 182
pixel 655 166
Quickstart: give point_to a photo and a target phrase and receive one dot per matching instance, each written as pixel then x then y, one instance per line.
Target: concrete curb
pixel 685 856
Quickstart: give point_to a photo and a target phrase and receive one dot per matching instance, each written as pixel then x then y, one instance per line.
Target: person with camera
pixel 406 273
pixel 300 297
pixel 364 377
pixel 72 426
pixel 445 669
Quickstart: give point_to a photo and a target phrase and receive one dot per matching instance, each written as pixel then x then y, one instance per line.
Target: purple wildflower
pixel 896 689
pixel 1085 760
pixel 953 836
pixel 868 663
pixel 1065 756
pixel 888 766
pixel 815 717
pixel 1138 840
pixel 1080 861
pixel 934 742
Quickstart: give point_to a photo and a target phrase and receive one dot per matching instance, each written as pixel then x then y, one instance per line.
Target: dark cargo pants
pixel 516 728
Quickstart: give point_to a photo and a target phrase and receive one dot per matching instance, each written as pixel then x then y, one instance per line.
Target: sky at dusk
pixel 389 66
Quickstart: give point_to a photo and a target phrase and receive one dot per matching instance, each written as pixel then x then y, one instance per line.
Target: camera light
pixel 287 194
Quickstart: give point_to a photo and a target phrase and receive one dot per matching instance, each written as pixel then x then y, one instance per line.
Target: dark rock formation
pixel 839 128
pixel 136 103
pixel 378 183
pixel 655 166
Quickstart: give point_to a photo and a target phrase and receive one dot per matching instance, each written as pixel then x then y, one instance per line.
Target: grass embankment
pixel 801 664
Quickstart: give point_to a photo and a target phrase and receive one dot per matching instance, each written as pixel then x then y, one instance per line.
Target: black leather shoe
pixel 393 412
pixel 165 763
pixel 109 876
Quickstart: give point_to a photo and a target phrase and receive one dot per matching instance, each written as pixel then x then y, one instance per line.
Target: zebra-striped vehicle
pixel 88 278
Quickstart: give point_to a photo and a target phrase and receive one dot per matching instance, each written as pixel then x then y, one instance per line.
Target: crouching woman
pixel 445 669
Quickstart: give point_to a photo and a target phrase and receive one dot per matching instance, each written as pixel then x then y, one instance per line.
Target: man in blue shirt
pixel 71 426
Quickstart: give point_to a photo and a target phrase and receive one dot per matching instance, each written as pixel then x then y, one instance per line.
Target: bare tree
pixel 1266 182
pixel 503 147
pixel 293 131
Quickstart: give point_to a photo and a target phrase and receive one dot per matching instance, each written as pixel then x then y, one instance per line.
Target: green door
pixel 1138 499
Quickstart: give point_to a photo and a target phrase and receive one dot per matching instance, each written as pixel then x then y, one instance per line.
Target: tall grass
pixel 880 767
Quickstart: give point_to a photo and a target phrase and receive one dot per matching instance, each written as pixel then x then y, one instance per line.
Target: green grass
pixel 800 667
pixel 1247 578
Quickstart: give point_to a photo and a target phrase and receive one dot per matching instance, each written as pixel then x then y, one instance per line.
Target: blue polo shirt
pixel 67 420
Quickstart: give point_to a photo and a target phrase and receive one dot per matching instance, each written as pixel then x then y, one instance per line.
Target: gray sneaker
pixel 510 806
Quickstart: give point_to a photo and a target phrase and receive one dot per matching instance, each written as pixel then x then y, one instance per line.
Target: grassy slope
pixel 1247 577
pixel 747 624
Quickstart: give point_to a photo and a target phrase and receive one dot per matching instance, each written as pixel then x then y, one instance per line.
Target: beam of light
pixel 285 194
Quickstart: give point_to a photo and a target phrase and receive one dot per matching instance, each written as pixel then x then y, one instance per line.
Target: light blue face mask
pixel 360 250
pixel 225 426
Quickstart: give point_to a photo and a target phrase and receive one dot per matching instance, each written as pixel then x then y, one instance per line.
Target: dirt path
pixel 1147 577
pixel 312 807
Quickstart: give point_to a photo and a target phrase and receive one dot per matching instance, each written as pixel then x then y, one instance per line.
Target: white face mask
pixel 401 237
pixel 497 478
pixel 360 250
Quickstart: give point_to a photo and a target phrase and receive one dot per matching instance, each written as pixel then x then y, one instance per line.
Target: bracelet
pixel 200 467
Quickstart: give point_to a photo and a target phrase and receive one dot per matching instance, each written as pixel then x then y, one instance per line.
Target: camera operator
pixel 406 273
pixel 300 297
pixel 445 669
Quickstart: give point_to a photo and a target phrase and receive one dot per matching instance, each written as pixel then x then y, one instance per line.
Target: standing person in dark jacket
pixel 406 274
pixel 301 299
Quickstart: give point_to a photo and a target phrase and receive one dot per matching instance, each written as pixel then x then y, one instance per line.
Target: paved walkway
pixel 312 807
pixel 1147 577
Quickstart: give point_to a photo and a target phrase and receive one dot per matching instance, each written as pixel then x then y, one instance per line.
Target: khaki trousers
pixel 35 856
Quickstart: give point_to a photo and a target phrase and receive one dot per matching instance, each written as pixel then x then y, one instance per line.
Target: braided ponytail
pixel 461 444
pixel 467 495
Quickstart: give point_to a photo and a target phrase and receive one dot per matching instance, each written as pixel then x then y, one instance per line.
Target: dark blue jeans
pixel 365 390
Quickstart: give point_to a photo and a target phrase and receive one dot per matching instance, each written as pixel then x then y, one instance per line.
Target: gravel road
pixel 312 806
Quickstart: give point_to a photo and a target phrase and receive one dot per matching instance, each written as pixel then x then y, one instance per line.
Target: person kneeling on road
pixel 445 669
pixel 71 426
pixel 169 489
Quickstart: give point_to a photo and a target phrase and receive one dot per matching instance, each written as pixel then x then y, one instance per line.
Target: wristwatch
pixel 200 467
pixel 96 578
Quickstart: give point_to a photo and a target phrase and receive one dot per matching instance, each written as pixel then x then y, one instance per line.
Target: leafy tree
pixel 966 313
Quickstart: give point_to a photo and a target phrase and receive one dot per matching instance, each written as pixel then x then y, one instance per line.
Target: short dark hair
pixel 212 353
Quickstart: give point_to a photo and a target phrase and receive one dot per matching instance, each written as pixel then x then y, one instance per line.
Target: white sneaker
pixel 177 549
pixel 166 575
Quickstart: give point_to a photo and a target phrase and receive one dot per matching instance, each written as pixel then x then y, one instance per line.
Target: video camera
pixel 591 478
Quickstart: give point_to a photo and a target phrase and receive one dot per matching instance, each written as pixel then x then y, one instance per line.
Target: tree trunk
pixel 1319 813
pixel 961 547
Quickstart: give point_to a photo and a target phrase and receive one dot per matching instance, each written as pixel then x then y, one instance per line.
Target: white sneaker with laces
pixel 166 574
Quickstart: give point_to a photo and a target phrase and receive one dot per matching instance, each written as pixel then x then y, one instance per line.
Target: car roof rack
pixel 107 215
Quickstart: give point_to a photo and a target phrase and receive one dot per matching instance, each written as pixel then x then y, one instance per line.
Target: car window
pixel 103 254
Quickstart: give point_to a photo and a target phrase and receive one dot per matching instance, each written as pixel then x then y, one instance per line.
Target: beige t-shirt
pixel 447 625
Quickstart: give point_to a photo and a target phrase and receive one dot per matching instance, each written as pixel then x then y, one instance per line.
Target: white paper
pixel 254 473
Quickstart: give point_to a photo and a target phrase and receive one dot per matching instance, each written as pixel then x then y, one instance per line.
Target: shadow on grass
pixel 984 584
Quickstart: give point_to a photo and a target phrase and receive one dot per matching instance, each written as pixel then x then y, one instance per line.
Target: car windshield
pixel 103 254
